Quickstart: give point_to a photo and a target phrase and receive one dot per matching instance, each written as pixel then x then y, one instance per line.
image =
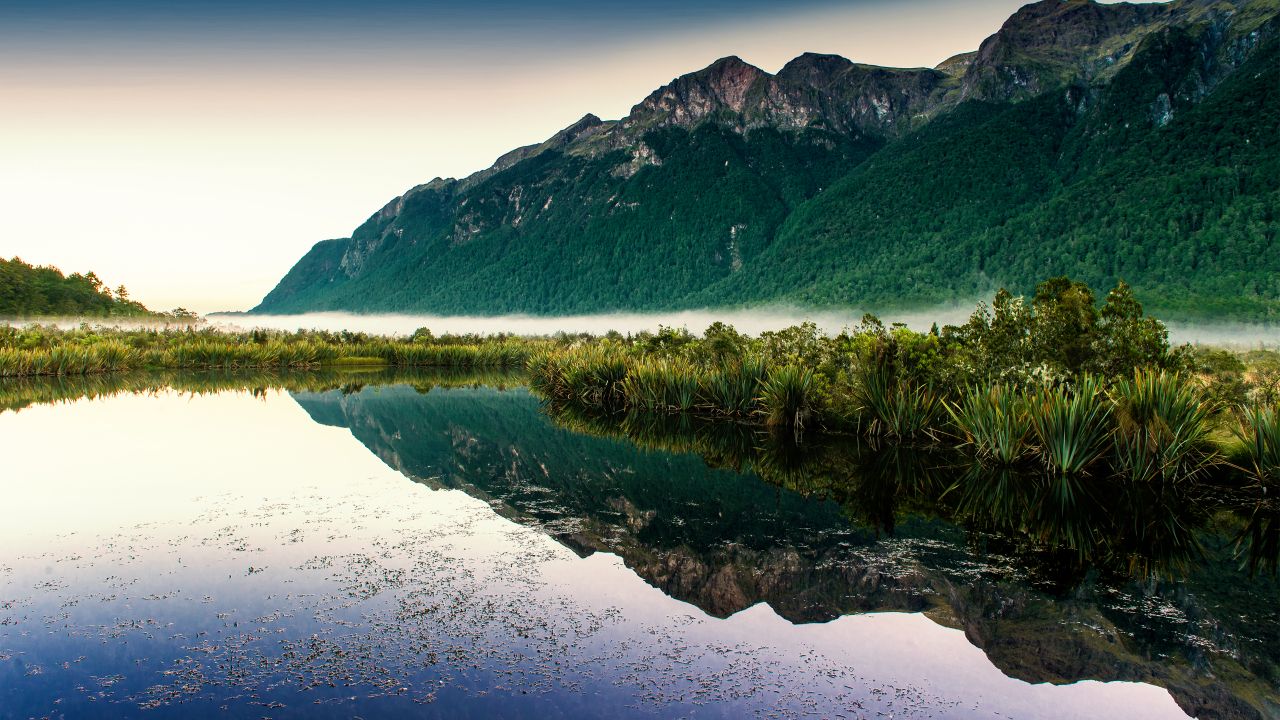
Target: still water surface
pixel 391 549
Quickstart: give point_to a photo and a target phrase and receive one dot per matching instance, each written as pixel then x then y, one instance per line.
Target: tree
pixel 1126 339
pixel 1066 323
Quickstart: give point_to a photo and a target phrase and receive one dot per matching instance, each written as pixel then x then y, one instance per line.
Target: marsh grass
pixel 1072 425
pixel 1259 435
pixel 83 352
pixel 995 423
pixel 1162 427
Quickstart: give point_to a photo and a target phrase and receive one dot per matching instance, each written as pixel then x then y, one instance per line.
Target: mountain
pixel 1104 141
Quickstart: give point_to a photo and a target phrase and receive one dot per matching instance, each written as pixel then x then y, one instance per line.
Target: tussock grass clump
pixel 661 385
pixel 734 389
pixel 1259 434
pixel 894 407
pixel 785 396
pixel 1162 427
pixel 1072 425
pixel 994 421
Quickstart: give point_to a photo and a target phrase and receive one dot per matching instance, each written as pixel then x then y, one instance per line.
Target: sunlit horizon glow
pixel 195 154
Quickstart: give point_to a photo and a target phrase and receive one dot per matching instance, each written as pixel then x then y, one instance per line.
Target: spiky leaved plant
pixel 892 407
pixel 1072 425
pixel 1162 426
pixel 785 396
pixel 1259 434
pixel 994 422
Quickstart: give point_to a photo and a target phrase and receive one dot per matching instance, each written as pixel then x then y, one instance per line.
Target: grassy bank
pixel 1057 382
pixel 37 351
pixel 19 393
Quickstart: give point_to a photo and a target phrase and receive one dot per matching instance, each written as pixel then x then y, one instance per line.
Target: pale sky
pixel 194 152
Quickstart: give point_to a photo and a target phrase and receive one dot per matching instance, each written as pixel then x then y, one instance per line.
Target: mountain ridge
pixel 706 181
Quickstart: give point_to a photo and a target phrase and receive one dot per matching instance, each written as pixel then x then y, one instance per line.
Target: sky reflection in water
pixel 171 555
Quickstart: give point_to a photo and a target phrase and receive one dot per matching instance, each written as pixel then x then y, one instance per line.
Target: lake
pixel 382 544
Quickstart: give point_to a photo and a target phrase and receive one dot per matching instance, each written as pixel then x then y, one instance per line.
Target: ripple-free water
pixel 388 552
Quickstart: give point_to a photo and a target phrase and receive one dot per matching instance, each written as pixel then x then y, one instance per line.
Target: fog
pixel 123 323
pixel 1238 336
pixel 752 321
pixel 1234 336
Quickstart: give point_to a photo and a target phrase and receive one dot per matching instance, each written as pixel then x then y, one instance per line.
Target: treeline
pixel 1057 381
pixel 30 291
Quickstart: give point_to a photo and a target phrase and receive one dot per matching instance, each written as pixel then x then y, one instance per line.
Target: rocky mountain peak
pixel 689 99
pixel 815 69
pixel 1052 42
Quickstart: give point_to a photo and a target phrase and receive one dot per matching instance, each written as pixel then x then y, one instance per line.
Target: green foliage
pixel 1125 340
pixel 1259 432
pixel 732 389
pixel 785 396
pixel 36 350
pixel 1162 426
pixel 995 423
pixel 891 406
pixel 28 291
pixel 1072 425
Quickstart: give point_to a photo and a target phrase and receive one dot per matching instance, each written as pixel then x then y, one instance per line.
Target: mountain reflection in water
pixel 1055 580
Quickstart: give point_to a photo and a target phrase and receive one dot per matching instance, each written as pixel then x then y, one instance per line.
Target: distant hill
pixel 30 291
pixel 1102 141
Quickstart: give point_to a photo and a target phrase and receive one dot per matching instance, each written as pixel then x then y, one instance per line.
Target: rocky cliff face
pixel 701 179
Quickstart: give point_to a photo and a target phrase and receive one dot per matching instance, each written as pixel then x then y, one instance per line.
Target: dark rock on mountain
pixel 1101 141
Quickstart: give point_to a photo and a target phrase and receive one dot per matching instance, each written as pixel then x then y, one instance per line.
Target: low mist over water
pixel 753 321
pixel 1241 336
pixel 1236 335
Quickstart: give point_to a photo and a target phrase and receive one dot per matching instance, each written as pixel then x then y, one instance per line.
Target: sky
pixel 193 151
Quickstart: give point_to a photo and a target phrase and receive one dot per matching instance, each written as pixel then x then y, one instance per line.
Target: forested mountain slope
pixel 1101 141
